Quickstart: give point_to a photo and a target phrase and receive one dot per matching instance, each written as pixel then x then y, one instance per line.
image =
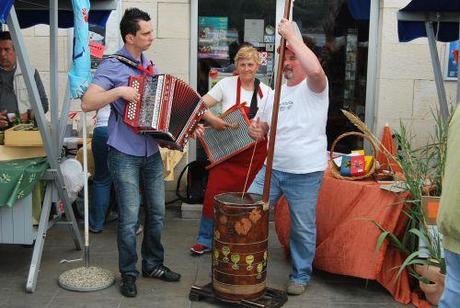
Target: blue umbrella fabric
pixel 80 73
pixel 5 7
pixel 446 32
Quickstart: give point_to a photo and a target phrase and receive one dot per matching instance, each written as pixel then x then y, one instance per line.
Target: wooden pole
pixel 274 122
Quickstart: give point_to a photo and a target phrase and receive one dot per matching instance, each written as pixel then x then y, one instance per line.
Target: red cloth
pixel 230 175
pixel 389 144
pixel 346 236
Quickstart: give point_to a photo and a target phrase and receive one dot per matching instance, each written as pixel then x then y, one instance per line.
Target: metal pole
pixel 193 65
pixel 63 118
pixel 54 91
pixel 458 64
pixel 48 143
pixel 372 65
pixel 274 120
pixel 437 70
pixel 85 171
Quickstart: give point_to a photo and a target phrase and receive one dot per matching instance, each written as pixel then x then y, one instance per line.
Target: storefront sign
pixel 452 61
pixel 213 38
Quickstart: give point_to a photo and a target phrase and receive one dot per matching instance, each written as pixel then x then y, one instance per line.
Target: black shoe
pixel 161 272
pixel 128 286
pixel 94 231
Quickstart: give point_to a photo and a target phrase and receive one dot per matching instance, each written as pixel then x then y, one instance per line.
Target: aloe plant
pixel 423 169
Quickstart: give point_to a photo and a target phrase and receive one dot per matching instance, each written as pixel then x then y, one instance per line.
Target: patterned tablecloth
pixel 18 178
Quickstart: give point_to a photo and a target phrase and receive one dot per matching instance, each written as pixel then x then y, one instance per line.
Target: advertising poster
pixel 452 58
pixel 213 37
pixel 96 44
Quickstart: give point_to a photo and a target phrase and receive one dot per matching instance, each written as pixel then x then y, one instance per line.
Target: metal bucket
pixel 239 260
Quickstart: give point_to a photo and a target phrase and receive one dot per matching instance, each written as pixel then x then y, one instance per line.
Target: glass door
pixel 341 44
pixel 223 26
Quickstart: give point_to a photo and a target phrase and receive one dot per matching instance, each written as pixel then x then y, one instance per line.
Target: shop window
pixel 340 42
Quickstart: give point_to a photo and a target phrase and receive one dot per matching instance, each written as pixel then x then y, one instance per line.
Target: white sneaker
pixel 294 288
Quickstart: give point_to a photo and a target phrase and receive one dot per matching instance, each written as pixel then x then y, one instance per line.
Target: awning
pixel 31 13
pixel 438 21
pixel 5 6
pixel 443 13
pixel 359 9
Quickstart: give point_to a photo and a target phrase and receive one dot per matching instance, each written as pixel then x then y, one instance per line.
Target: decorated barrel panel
pixel 239 256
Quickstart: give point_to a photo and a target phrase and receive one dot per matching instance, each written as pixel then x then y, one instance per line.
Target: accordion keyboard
pixel 131 109
pixel 168 109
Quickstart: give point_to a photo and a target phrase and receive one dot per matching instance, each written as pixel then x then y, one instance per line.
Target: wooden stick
pixel 274 122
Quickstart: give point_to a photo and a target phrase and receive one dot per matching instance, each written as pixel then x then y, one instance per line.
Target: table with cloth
pixel 21 194
pixel 347 237
pixel 18 178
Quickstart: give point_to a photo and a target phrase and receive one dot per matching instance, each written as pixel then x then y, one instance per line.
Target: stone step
pixel 191 211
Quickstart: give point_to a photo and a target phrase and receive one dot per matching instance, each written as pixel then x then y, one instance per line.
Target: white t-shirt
pixel 102 116
pixel 225 92
pixel 301 141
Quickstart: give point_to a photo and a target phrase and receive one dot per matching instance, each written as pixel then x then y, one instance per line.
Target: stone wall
pixel 406 89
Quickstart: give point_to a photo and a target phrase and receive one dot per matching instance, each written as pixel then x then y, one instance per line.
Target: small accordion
pixel 168 109
pixel 220 145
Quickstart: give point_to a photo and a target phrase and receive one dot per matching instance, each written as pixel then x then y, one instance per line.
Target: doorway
pixel 339 41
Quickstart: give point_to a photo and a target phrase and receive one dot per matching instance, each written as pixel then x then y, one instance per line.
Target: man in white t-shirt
pixel 300 156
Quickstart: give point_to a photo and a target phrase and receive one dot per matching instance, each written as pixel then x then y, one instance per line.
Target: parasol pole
pixel 85 278
pixel 274 121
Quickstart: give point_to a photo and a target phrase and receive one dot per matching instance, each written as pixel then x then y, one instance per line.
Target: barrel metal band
pixel 245 244
pixel 233 289
pixel 235 275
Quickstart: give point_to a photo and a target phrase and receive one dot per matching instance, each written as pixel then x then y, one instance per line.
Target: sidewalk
pixel 325 290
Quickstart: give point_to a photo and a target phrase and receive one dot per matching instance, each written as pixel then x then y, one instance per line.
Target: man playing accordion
pixel 132 155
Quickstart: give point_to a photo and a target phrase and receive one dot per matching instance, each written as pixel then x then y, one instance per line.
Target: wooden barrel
pixel 239 256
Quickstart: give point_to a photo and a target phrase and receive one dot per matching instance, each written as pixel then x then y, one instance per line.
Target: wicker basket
pixel 335 170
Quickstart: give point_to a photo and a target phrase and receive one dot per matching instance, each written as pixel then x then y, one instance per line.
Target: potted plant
pixel 436 157
pixel 422 170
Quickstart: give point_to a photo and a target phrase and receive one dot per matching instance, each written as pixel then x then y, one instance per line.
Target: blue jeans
pixel 451 296
pixel 126 171
pixel 102 181
pixel 205 233
pixel 301 192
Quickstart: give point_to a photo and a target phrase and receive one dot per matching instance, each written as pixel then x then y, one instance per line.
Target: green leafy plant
pixel 422 169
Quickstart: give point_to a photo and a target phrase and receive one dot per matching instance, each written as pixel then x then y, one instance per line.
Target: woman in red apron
pixel 230 175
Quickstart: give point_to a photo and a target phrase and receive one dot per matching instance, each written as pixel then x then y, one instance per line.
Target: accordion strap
pixel 257 91
pixel 148 71
pixel 253 107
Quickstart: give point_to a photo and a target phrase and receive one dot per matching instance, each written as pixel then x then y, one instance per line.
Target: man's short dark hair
pixel 5 35
pixel 129 22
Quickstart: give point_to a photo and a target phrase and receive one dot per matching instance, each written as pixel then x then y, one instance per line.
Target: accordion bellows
pixel 221 145
pixel 168 109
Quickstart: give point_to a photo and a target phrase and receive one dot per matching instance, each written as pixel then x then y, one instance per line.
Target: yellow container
pixel 23 135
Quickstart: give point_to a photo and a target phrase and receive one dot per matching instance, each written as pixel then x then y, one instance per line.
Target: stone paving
pixel 325 290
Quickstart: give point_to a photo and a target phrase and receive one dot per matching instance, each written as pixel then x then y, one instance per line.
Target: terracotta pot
pixel 433 291
pixel 430 207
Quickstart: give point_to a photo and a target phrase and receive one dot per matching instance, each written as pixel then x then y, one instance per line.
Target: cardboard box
pixel 10 153
pixel 23 135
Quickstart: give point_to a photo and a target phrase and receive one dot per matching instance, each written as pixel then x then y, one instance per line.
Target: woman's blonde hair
pixel 248 53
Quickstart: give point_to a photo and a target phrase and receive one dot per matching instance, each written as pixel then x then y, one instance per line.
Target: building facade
pixel 194 40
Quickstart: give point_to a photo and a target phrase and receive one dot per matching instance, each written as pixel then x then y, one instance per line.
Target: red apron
pixel 230 175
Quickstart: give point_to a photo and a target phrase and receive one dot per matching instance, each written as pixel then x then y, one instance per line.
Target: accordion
pixel 168 109
pixel 220 145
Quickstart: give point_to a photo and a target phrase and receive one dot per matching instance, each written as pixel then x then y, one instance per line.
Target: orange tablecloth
pixel 346 236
